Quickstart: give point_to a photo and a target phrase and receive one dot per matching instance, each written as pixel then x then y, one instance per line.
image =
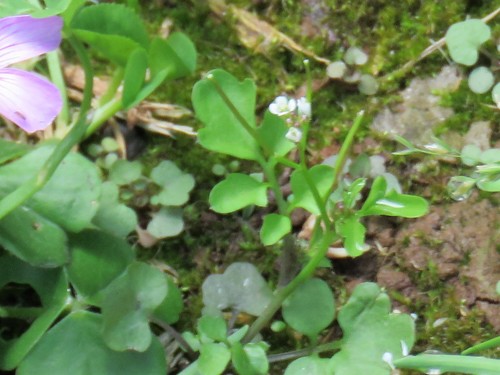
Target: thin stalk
pixel 281 294
pixel 342 156
pixel 102 114
pixel 328 347
pixel 30 187
pixel 250 129
pixel 56 74
pixel 453 363
pixel 268 168
pixel 116 81
pixel 493 343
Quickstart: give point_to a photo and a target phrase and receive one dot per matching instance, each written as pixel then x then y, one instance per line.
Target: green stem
pixel 284 292
pixel 246 125
pixel 30 187
pixel 493 343
pixel 102 114
pixel 28 313
pixel 342 155
pixel 454 363
pixel 56 74
pixel 328 347
pixel 116 81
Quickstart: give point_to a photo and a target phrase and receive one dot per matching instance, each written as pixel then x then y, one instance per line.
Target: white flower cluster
pixel 284 105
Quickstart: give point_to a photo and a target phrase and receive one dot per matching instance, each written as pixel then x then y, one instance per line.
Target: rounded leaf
pixel 310 308
pixel 274 228
pixel 481 80
pixel 464 39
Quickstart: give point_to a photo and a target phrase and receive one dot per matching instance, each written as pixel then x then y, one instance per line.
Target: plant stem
pixel 328 347
pixel 281 294
pixel 268 168
pixel 342 155
pixel 454 363
pixel 102 114
pixel 55 70
pixel 30 187
pixel 112 87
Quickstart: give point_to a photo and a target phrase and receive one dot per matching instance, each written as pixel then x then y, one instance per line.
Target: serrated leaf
pixel 370 330
pixel 236 192
pixel 274 228
pixel 464 39
pixel 223 131
pixel 80 332
pixel 167 222
pixel 310 308
pixel 97 258
pixel 321 176
pixel 127 304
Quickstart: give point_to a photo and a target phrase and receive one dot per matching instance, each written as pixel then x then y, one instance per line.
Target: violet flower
pixel 28 99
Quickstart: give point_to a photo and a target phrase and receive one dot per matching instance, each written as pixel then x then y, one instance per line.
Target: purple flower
pixel 28 99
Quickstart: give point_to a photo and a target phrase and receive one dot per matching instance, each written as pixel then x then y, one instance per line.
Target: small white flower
pixel 387 358
pixel 303 107
pixel 294 135
pixel 282 106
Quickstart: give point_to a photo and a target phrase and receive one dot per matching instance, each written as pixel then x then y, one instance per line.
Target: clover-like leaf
pixel 237 191
pixel 80 332
pixel 175 183
pixel 167 222
pixel 223 131
pixel 371 330
pixel 127 304
pixel 97 258
pixel 249 359
pixel 481 80
pixel 274 228
pixel 124 172
pixel 464 39
pixel 321 176
pixel 241 288
pixel 310 308
pixel 353 233
pixel 311 365
pixel 112 216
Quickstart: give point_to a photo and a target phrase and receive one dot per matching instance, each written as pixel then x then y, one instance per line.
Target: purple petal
pixel 24 37
pixel 28 100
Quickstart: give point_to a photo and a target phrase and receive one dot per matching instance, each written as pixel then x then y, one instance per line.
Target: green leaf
pixel 392 203
pixel 368 85
pixel 464 39
pixel 33 238
pixel 78 333
pixel 321 176
pixel 166 223
pixel 250 359
pixel 213 327
pixel 127 304
pixel 112 216
pixel 236 192
pixel 12 8
pixel 123 172
pixel 274 228
pixel 488 184
pixel 51 286
pixel 492 155
pixel 69 199
pixel 97 258
pixel 470 155
pixel 443 363
pixel 52 8
pixel 238 335
pixel 135 74
pixel 481 80
pixel 241 288
pixel 353 233
pixel 175 183
pixel 223 131
pixel 214 358
pixel 176 56
pixel 495 94
pixel 113 30
pixel 310 308
pixel 272 134
pixel 371 330
pixel 309 366
pixel 11 150
pixel 171 307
